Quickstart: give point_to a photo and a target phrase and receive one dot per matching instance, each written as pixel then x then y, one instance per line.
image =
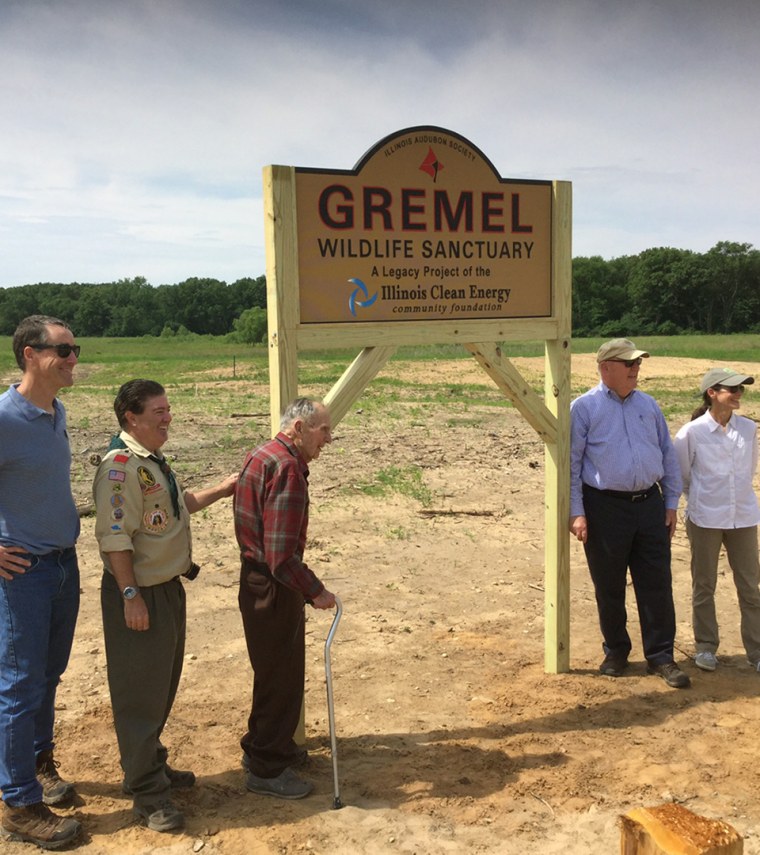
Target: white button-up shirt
pixel 718 465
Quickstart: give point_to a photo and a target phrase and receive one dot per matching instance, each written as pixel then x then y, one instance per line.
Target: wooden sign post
pixel 423 242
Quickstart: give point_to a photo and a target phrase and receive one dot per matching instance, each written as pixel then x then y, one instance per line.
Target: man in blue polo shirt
pixel 39 580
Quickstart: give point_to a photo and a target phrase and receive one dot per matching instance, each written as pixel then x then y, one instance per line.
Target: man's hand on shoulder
pixel 325 600
pixel 229 484
pixel 12 562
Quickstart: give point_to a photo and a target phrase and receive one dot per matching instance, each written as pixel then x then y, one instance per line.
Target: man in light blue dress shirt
pixel 625 482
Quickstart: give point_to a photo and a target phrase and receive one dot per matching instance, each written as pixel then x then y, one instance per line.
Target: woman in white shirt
pixel 718 452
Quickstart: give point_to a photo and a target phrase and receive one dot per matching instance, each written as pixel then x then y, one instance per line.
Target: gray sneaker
pixel 287 785
pixel 161 816
pixel 38 824
pixel 706 660
pixel 301 758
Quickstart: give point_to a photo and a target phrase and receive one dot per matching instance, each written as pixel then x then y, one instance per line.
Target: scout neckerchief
pixel 163 464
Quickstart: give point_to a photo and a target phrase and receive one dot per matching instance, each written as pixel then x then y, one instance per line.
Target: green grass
pixel 720 348
pixel 111 361
pixel 405 480
pixel 226 377
pixel 178 359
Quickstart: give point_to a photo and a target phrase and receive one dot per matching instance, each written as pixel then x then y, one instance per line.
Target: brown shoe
pixel 162 816
pixel 38 824
pixel 55 790
pixel 671 674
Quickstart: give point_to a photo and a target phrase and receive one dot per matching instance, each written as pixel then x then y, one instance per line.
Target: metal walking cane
pixel 337 803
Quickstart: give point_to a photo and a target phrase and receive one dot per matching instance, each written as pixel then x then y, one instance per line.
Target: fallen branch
pixel 428 512
pixel 543 801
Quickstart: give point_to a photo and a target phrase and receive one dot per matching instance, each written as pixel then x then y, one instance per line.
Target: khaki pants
pixel 742 552
pixel 144 670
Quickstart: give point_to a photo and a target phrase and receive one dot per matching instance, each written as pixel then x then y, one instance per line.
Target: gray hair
pixel 31 331
pixel 301 408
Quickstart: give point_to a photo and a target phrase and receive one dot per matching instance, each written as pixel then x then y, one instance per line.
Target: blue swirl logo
pixel 360 291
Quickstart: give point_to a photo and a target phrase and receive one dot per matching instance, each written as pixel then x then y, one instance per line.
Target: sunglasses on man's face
pixel 629 363
pixel 732 389
pixel 62 350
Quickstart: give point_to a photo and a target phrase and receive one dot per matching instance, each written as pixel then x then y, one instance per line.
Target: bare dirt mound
pixel 451 736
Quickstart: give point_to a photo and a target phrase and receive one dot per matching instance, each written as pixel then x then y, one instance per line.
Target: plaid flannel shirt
pixel 271 508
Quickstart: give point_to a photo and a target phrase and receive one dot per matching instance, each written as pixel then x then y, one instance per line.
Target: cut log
pixel 671 829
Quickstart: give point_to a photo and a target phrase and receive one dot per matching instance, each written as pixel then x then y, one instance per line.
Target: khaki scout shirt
pixel 134 513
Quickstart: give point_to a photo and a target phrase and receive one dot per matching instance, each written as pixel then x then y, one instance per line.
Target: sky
pixel 133 133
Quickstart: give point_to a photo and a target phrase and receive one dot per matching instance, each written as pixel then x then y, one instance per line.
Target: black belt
pixel 58 553
pixel 638 496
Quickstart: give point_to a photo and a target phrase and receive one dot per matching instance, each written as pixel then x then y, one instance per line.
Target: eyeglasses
pixel 732 389
pixel 62 350
pixel 629 363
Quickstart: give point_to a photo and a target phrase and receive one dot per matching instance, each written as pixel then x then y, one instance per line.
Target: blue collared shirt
pixel 37 509
pixel 620 444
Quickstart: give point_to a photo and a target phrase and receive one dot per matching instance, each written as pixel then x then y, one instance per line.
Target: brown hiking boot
pixel 38 824
pixel 55 790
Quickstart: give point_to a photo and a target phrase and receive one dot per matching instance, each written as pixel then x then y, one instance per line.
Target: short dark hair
pixel 31 331
pixel 132 396
pixel 301 408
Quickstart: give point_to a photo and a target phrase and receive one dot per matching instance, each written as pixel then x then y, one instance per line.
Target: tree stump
pixel 671 829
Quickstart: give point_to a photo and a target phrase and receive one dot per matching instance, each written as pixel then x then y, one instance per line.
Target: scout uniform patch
pixel 155 519
pixel 146 477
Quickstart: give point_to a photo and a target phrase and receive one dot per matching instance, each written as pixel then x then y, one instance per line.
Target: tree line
pixel 661 291
pixel 668 291
pixel 133 307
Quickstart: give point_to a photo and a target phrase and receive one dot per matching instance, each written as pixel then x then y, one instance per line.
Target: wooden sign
pixel 422 229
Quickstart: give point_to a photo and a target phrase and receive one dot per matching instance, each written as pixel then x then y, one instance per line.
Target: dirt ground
pixel 451 738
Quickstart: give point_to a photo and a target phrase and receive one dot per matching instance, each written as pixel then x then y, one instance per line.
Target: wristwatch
pixel 129 593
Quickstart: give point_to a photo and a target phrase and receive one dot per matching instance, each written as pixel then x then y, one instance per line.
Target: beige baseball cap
pixel 724 377
pixel 619 348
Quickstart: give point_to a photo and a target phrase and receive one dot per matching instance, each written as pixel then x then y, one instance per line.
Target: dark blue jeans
pixel 38 613
pixel 625 535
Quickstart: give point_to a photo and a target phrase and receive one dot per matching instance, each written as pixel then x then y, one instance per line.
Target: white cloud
pixel 134 133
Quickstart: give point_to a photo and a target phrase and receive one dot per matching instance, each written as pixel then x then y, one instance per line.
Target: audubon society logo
pixel 360 296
